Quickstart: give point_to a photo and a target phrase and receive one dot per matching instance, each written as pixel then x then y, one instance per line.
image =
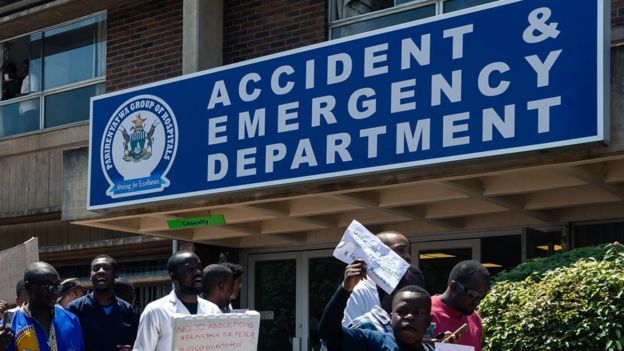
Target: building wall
pixel 258 28
pixel 617 12
pixel 144 43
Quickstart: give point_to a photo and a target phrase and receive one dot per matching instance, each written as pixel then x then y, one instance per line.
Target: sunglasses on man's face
pixel 51 288
pixel 473 294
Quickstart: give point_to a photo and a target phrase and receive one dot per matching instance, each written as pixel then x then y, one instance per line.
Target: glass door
pixel 274 293
pixel 436 259
pixel 323 275
pixel 290 290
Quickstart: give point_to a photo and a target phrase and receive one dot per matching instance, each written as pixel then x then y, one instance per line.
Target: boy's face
pixel 411 316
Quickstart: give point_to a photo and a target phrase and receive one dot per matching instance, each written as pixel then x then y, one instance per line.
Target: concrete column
pixel 202 43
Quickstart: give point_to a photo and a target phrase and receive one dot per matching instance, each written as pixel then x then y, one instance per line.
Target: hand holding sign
pixel 384 266
pixel 354 273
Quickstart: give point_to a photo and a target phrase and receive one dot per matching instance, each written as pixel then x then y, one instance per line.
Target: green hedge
pixel 579 306
pixel 536 267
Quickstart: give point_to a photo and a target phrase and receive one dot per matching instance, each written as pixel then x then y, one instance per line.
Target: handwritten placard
pixel 224 332
pixel 13 262
pixel 385 267
pixel 452 347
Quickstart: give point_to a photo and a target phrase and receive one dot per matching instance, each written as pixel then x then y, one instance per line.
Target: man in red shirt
pixel 468 284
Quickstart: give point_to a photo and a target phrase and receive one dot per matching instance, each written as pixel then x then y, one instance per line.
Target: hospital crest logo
pixel 138 147
pixel 138 141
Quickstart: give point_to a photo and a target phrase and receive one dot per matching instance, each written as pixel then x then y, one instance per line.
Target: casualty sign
pixel 501 78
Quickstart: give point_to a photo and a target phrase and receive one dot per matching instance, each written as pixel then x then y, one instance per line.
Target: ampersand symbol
pixel 539 30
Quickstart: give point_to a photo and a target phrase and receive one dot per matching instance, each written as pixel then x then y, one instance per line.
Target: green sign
pixel 195 222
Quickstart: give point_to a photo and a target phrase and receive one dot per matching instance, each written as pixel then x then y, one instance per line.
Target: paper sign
pixel 384 266
pixel 452 347
pixel 13 262
pixel 224 332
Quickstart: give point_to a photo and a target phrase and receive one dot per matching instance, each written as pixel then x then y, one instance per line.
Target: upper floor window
pixel 350 17
pixel 49 76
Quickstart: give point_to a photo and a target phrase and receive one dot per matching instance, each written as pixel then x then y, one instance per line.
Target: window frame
pixel 414 4
pixel 43 94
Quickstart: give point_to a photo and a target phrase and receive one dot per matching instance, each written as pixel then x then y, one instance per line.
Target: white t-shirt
pixel 362 300
pixel 28 82
pixel 156 323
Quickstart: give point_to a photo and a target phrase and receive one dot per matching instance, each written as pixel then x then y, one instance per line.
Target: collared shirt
pixel 376 319
pixel 104 331
pixel 156 323
pixel 448 319
pixel 362 300
pixel 64 334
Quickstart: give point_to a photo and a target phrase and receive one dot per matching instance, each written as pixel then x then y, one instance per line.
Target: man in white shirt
pixel 156 323
pixel 365 295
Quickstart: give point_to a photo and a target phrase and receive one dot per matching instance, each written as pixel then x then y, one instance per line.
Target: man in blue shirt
pixel 39 324
pixel 108 322
pixel 411 315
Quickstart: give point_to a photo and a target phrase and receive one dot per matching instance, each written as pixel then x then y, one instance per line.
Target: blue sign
pixel 502 78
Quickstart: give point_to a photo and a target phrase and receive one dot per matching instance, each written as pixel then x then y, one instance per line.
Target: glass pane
pixel 596 234
pixel 437 264
pixel 454 5
pixel 70 106
pixel 19 117
pixel 275 289
pixel 74 52
pixel 501 253
pixel 384 21
pixel 542 244
pixel 33 66
pixel 325 275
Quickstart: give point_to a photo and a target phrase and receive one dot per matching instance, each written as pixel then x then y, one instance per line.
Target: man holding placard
pixel 156 323
pixel 411 315
pixel 366 294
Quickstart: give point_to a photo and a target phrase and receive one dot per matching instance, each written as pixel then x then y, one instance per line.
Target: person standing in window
pixel 10 82
pixel 28 109
pixel 350 8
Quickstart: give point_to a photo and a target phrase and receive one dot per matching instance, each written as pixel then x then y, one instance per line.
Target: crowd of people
pixel 361 316
pixel 63 316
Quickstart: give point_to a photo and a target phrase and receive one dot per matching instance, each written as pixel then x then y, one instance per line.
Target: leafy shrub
pixel 579 306
pixel 536 267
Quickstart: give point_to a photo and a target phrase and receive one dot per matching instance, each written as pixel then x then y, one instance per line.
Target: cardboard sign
pixel 13 262
pixel 385 267
pixel 452 347
pixel 225 332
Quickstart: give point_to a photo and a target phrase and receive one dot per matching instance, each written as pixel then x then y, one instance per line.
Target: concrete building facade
pixel 501 210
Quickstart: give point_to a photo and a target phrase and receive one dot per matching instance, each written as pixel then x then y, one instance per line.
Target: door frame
pixel 474 244
pixel 302 312
pixel 252 259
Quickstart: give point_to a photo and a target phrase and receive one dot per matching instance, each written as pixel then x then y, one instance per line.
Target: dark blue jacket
pixel 102 332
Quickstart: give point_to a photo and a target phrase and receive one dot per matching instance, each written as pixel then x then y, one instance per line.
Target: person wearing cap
pixel 71 290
